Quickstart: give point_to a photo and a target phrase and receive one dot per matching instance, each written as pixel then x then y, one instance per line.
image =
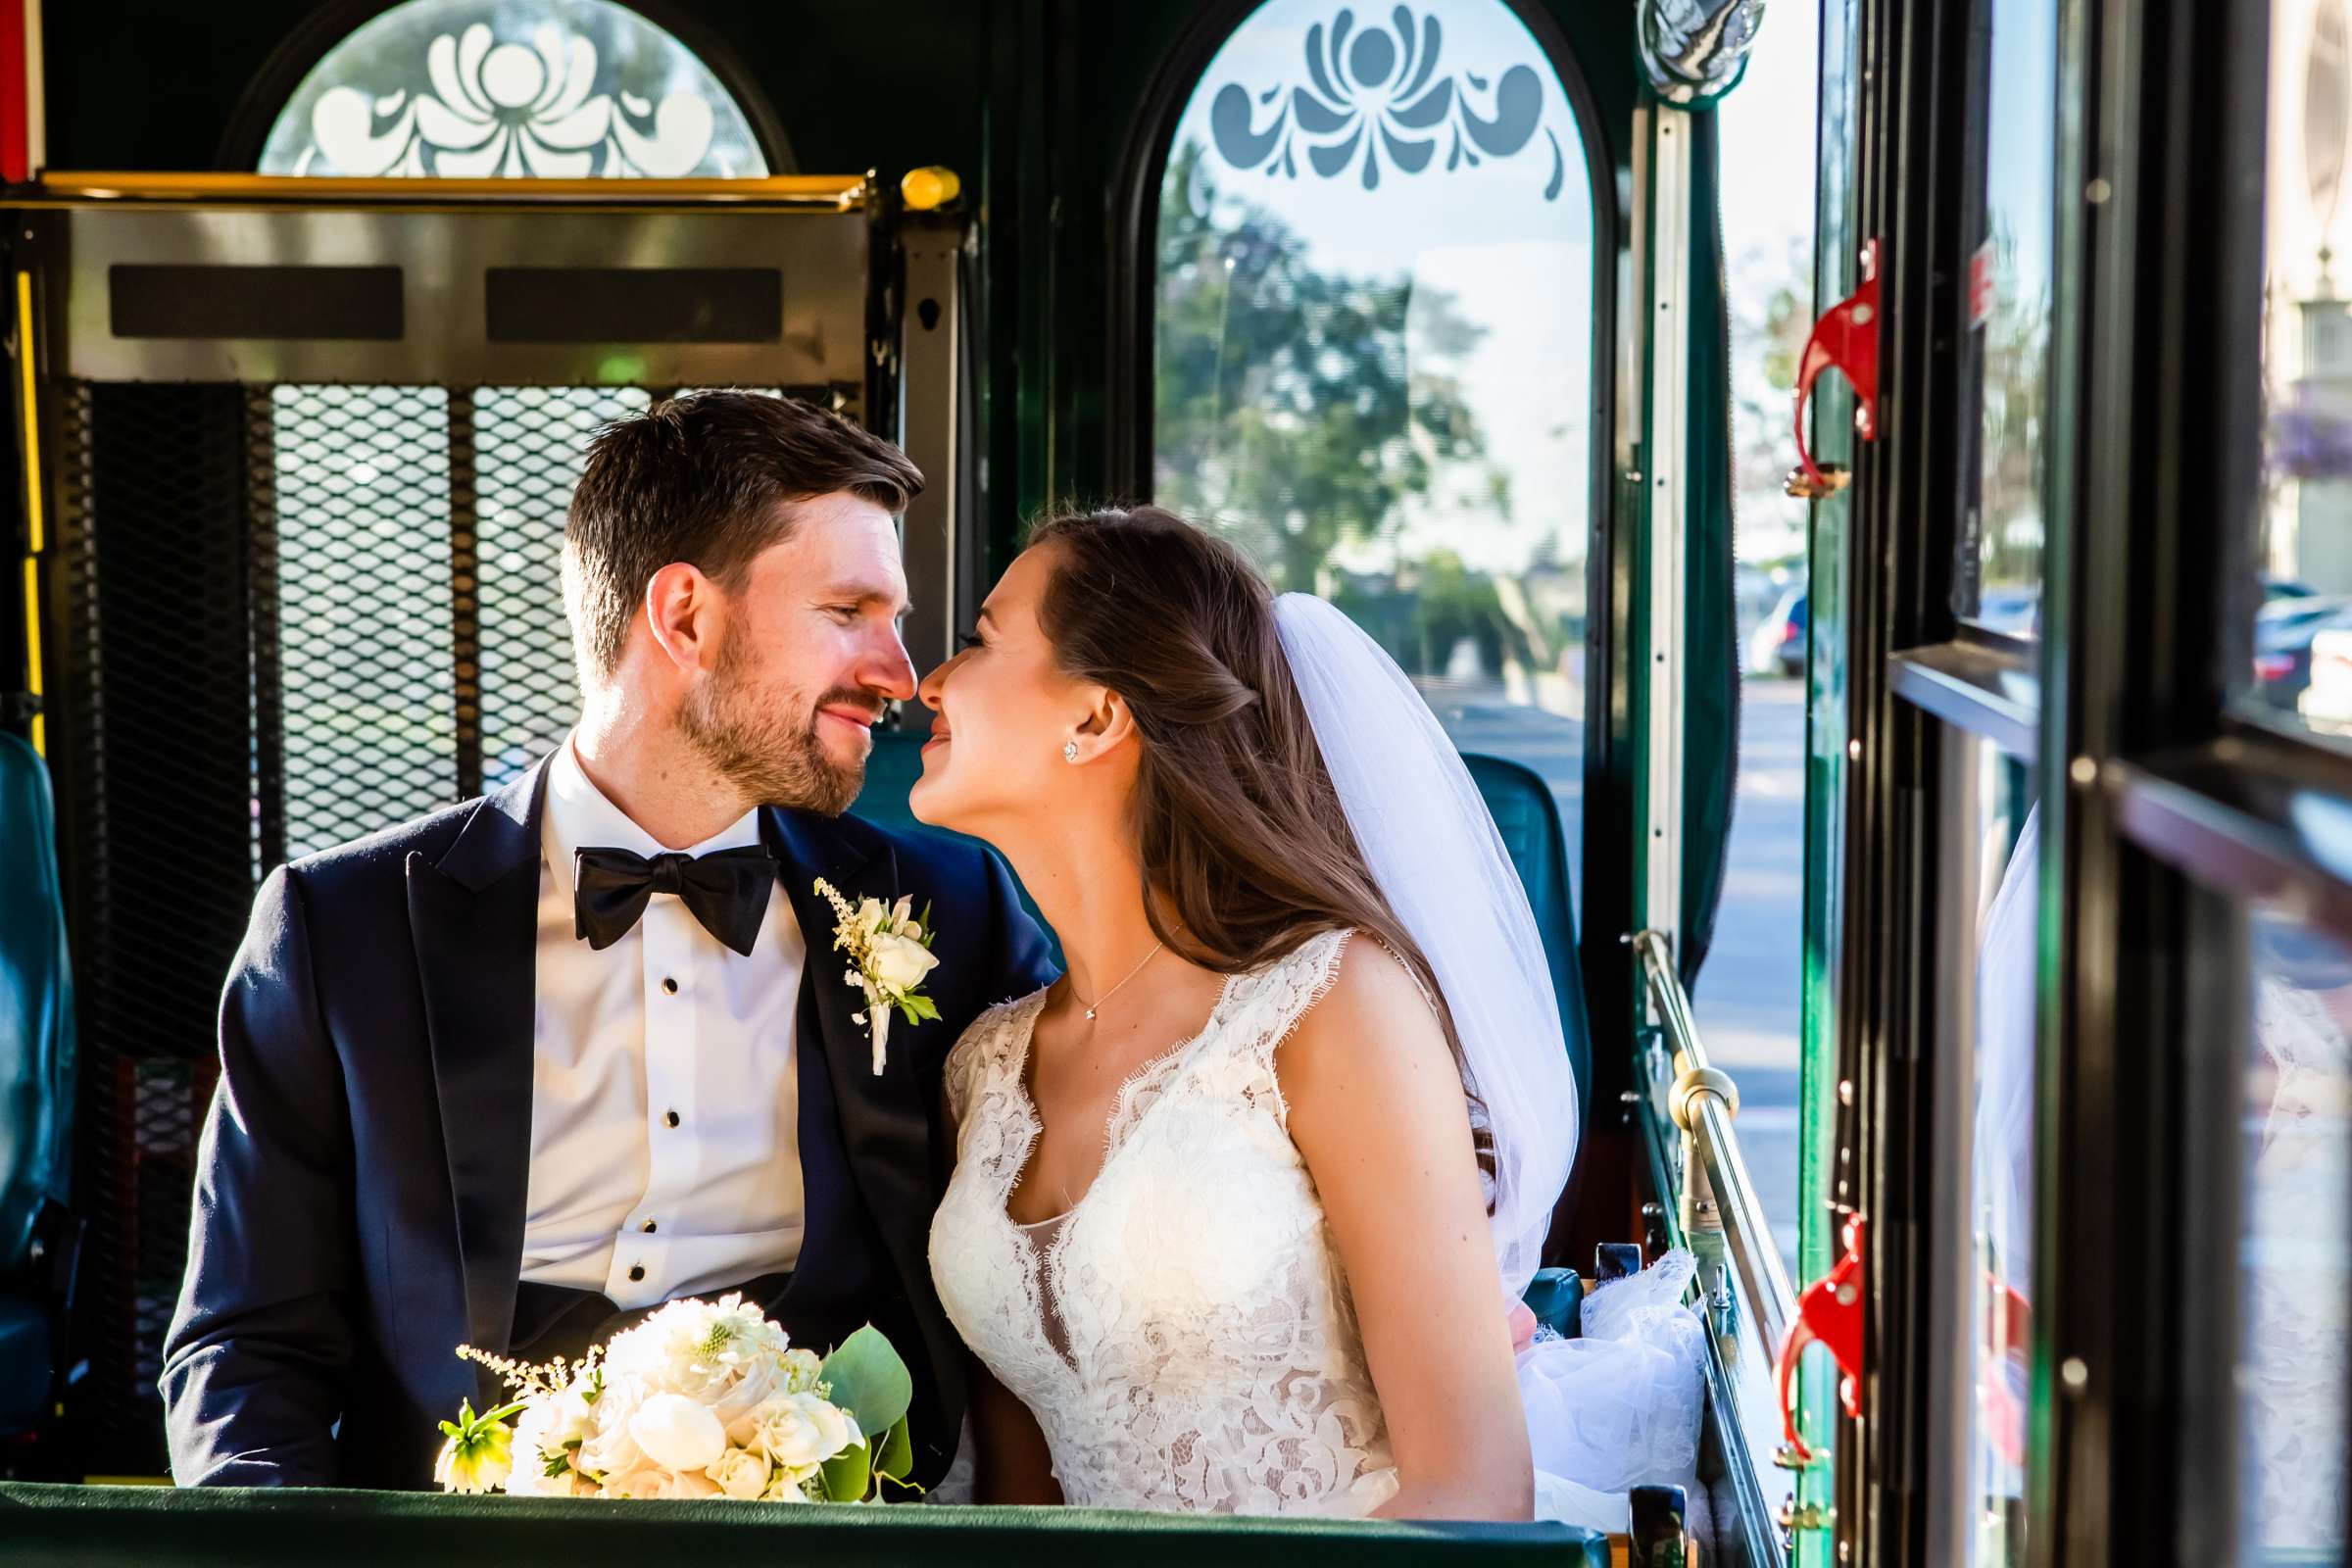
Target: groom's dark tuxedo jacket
pixel 361 1187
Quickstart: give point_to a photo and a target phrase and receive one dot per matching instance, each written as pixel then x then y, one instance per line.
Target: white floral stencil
pixel 549 89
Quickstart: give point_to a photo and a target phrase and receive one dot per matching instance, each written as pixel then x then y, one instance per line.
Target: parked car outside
pixel 1777 645
pixel 2284 633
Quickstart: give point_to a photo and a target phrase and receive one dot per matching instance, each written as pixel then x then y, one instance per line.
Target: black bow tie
pixel 727 891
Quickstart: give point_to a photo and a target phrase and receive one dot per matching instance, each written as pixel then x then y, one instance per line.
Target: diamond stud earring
pixel 1070 751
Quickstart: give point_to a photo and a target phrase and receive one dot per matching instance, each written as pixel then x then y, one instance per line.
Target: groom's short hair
pixel 708 478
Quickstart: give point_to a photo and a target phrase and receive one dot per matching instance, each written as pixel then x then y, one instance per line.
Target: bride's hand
pixel 1376 1106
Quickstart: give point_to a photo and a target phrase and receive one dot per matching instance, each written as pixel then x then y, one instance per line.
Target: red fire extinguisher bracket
pixel 1846 339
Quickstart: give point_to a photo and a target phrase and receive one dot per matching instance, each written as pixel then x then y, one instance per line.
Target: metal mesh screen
pixel 357 480
pixel 159 823
pixel 531 441
pixel 297 615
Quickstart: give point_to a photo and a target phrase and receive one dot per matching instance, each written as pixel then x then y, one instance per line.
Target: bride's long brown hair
pixel 1236 821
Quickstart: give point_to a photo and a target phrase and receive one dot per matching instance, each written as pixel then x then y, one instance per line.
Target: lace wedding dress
pixel 1184 1333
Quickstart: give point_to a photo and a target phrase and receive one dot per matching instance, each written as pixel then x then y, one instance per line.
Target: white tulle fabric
pixel 1184 1333
pixel 1619 1407
pixel 1434 849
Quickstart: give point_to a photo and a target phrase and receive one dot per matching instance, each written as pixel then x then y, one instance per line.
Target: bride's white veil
pixel 1433 848
pixel 1619 1406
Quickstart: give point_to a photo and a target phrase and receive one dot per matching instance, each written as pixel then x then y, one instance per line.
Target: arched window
pixel 569 89
pixel 1374 340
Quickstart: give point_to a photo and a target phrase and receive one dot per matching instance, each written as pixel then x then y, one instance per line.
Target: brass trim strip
pixel 28 389
pixel 37 534
pixel 823 192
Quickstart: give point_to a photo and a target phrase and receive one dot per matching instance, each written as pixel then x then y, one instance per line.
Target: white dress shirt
pixel 663 1096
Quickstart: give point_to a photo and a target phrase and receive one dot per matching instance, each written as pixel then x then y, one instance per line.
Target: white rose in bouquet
pixel 742 1475
pixel 541 1435
pixel 790 1486
pixel 688 1485
pixel 801 1430
pixel 678 1433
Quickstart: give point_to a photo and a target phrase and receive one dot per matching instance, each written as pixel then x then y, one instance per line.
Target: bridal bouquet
pixel 702 1400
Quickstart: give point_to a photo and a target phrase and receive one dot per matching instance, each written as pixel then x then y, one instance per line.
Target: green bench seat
pixel 234 1528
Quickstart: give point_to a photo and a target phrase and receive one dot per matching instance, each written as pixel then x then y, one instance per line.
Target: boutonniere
pixel 890 949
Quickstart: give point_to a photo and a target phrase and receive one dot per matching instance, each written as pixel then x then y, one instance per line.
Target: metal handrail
pixel 1704 1103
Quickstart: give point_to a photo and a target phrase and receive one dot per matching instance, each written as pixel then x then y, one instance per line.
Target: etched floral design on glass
pixel 555 89
pixel 1375 89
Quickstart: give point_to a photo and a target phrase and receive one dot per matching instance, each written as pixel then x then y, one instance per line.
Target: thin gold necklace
pixel 1091 1007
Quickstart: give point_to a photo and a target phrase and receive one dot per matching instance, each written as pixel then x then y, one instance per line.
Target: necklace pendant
pixel 1090 1016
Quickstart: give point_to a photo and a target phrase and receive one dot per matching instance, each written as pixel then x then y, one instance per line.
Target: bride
pixel 1236 1197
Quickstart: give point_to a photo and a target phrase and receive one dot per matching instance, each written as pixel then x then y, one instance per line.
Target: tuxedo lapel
pixel 472 917
pixel 885 1121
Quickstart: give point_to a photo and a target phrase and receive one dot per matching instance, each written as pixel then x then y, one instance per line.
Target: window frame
pixel 2161 807
pixel 1924 687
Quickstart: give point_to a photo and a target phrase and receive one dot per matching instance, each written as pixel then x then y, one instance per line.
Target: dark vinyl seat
pixel 36 1096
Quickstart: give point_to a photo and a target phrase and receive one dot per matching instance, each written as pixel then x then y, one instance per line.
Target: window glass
pixel 2006 849
pixel 2011 275
pixel 2301 664
pixel 2295 1123
pixel 1749 999
pixel 572 89
pixel 1374 347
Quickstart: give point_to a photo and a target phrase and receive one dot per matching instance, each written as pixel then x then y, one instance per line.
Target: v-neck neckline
pixel 1118 1123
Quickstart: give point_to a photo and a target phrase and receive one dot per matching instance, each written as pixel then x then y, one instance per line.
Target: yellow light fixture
pixel 930 187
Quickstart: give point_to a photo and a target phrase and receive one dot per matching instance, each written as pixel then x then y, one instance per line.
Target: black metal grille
pixel 530 442
pixel 296 614
pixel 356 479
pixel 159 823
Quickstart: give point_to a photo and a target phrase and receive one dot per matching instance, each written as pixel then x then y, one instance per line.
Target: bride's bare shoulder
pixel 1371 1030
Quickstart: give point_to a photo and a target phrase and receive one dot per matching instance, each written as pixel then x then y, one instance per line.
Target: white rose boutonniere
pixel 890 949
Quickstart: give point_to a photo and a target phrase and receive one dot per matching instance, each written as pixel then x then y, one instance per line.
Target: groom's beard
pixel 767 744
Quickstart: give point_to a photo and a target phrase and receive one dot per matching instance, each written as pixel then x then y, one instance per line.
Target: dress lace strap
pixel 1273 1000
pixel 981 1054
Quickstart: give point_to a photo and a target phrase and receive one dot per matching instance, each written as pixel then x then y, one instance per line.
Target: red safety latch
pixel 1829 1311
pixel 1846 337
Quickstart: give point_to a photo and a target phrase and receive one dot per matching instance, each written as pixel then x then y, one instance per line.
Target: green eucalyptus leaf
pixel 849 1475
pixel 869 1379
pixel 895 1456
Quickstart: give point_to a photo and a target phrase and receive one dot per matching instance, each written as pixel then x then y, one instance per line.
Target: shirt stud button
pixel 671 1117
pixel 636 1272
pixel 669 985
pixel 647 1227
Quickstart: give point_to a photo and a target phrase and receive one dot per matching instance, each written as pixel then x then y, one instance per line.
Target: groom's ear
pixel 682 611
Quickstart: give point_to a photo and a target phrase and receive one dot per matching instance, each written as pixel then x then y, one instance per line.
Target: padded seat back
pixel 1529 817
pixel 36 1010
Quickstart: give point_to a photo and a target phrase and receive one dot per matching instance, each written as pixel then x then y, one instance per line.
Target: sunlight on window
pixel 572 89
pixel 1374 337
pixel 1750 992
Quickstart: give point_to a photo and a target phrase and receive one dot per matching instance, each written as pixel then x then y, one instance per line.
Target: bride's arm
pixel 1010 1461
pixel 1376 1106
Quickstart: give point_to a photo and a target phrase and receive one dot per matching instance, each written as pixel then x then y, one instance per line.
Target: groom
pixel 507 1075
